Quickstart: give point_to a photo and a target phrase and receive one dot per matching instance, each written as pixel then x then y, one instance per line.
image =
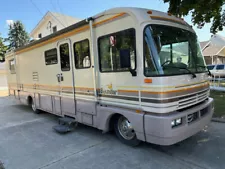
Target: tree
pixel 202 11
pixel 3 49
pixel 17 35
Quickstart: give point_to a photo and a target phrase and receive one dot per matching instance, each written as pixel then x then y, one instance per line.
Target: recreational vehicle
pixel 136 71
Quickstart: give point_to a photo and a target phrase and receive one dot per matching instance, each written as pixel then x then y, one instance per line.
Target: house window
pixel 12 66
pixel 82 54
pixel 51 57
pixel 54 29
pixel 39 35
pixel 112 46
pixel 64 57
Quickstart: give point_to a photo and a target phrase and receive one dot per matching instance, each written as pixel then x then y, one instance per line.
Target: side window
pixel 112 46
pixel 51 57
pixel 54 29
pixel 82 54
pixel 220 67
pixel 12 66
pixel 64 57
pixel 39 35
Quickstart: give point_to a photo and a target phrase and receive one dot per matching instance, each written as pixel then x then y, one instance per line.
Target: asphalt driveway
pixel 27 141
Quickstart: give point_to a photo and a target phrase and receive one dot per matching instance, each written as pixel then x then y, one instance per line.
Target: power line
pixel 36 7
pixel 61 11
pixel 54 15
pixel 43 14
pixel 58 20
pixel 53 5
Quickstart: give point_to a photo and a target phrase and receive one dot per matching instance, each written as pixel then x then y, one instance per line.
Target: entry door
pixel 66 79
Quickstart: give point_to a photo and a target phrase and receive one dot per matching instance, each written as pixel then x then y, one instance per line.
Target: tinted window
pixel 82 54
pixel 219 67
pixel 51 57
pixel 211 67
pixel 64 57
pixel 110 48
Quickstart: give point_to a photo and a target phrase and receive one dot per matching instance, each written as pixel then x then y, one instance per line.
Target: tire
pixel 33 106
pixel 122 126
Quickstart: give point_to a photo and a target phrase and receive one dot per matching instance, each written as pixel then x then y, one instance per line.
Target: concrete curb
pixel 219 120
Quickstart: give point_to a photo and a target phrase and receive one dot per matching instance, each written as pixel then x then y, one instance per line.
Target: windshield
pixel 171 51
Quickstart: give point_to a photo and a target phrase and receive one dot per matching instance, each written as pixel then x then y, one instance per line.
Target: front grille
pixel 193 99
pixel 192 117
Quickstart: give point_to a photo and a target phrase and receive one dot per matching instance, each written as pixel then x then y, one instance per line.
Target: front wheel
pixel 33 106
pixel 125 131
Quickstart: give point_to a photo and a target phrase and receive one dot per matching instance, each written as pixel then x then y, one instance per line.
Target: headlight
pixel 176 122
pixel 173 123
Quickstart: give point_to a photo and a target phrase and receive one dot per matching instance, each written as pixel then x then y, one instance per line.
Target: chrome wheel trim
pixel 125 128
pixel 33 106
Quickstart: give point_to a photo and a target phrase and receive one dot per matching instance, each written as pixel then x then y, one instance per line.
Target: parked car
pixel 217 70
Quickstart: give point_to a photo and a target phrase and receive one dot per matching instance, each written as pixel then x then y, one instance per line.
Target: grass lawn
pixel 219 102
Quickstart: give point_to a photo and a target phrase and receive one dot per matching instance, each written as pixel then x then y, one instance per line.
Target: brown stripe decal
pixel 119 97
pixel 174 93
pixel 128 92
pixel 159 101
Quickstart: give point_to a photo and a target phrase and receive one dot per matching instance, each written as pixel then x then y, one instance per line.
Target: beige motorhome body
pixel 76 72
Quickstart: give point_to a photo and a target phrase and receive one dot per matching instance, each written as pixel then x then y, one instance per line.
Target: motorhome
pixel 136 71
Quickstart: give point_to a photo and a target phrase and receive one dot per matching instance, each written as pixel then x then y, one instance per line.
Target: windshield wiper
pixel 193 74
pixel 209 73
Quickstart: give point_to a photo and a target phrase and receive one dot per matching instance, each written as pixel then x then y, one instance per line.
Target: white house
pixel 50 23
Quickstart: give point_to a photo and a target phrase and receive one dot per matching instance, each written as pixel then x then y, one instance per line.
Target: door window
pixel 12 66
pixel 82 54
pixel 64 57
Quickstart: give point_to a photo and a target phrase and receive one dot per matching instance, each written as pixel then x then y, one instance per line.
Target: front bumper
pixel 158 129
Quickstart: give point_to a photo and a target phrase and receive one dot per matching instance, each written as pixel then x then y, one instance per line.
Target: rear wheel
pixel 33 106
pixel 125 131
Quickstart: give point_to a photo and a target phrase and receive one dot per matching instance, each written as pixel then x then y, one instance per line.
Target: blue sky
pixel 31 11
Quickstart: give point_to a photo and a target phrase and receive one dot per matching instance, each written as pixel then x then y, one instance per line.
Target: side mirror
pixel 125 61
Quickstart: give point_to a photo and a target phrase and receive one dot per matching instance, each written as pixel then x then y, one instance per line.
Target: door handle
pixel 61 77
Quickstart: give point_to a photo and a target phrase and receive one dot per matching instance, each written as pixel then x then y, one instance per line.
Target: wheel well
pixel 112 120
pixel 29 100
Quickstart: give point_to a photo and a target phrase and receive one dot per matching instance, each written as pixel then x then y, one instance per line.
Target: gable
pixel 50 20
